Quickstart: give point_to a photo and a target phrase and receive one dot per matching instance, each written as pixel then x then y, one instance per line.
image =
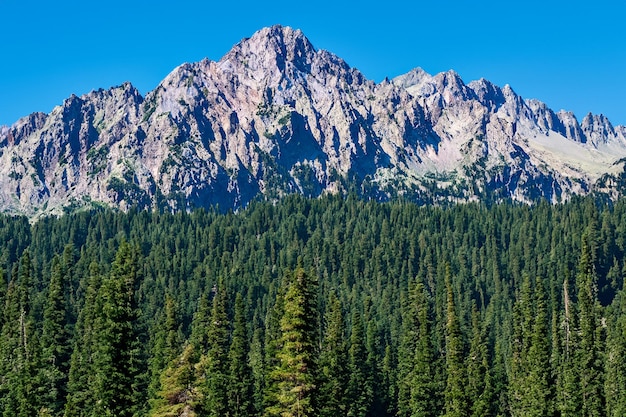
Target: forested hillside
pixel 316 307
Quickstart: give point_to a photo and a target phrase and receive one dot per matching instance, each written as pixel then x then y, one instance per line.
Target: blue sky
pixel 569 54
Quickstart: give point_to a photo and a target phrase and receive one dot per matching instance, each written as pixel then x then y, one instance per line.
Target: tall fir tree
pixel 540 391
pixel 590 363
pixel 360 391
pixel 456 404
pixel 3 293
pixel 479 380
pixel 178 393
pixel 200 325
pixel 119 367
pixel 55 341
pixel 417 393
pixel 9 345
pixel 265 371
pixel 424 393
pixel 214 361
pixel 295 376
pixel 523 319
pixel 258 371
pixel 379 402
pixel 615 366
pixel 332 364
pixel 166 343
pixel 19 388
pixel 568 398
pixel 82 394
pixel 240 402
pixel 531 385
pixel 406 351
pixel 390 379
pixel 172 329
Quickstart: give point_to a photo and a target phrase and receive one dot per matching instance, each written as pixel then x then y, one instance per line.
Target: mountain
pixel 276 116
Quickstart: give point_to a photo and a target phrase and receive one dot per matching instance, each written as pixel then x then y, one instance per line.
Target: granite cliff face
pixel 276 116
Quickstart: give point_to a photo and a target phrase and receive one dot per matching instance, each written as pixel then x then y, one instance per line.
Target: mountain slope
pixel 276 116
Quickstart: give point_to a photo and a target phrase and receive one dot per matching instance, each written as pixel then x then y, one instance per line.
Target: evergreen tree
pixel 479 383
pixel 406 353
pixel 265 374
pixel 19 346
pixel 240 375
pixel 540 401
pixel 424 395
pixel 173 340
pixel 3 293
pixel 332 364
pixel 295 375
pixel 417 393
pixel 9 344
pixel 456 404
pixel 615 366
pixel 55 342
pixel 389 380
pixel 118 366
pixel 166 344
pixel 360 391
pixel 591 343
pixel 379 402
pixel 500 380
pixel 214 362
pixel 82 395
pixel 569 400
pixel 523 317
pixel 258 371
pixel 200 326
pixel 531 385
pixel 178 394
pixel 555 348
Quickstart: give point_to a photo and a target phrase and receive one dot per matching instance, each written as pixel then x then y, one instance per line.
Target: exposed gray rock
pixel 276 116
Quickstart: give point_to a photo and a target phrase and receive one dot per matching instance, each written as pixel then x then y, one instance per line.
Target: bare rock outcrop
pixel 277 116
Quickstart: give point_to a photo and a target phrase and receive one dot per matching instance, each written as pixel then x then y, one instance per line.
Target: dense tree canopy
pixel 316 307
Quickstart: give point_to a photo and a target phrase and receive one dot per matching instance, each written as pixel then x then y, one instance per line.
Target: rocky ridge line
pixel 277 116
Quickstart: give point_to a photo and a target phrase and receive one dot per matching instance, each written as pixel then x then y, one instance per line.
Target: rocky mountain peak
pixel 599 130
pixel 544 116
pixel 276 116
pixel 124 92
pixel 596 122
pixel 415 77
pixel 275 48
pixel 24 127
pixel 452 86
pixel 488 94
pixel 570 128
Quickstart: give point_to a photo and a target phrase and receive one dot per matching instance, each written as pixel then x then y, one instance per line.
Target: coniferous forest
pixel 316 307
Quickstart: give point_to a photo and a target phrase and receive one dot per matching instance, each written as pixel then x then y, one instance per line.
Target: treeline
pixel 316 307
